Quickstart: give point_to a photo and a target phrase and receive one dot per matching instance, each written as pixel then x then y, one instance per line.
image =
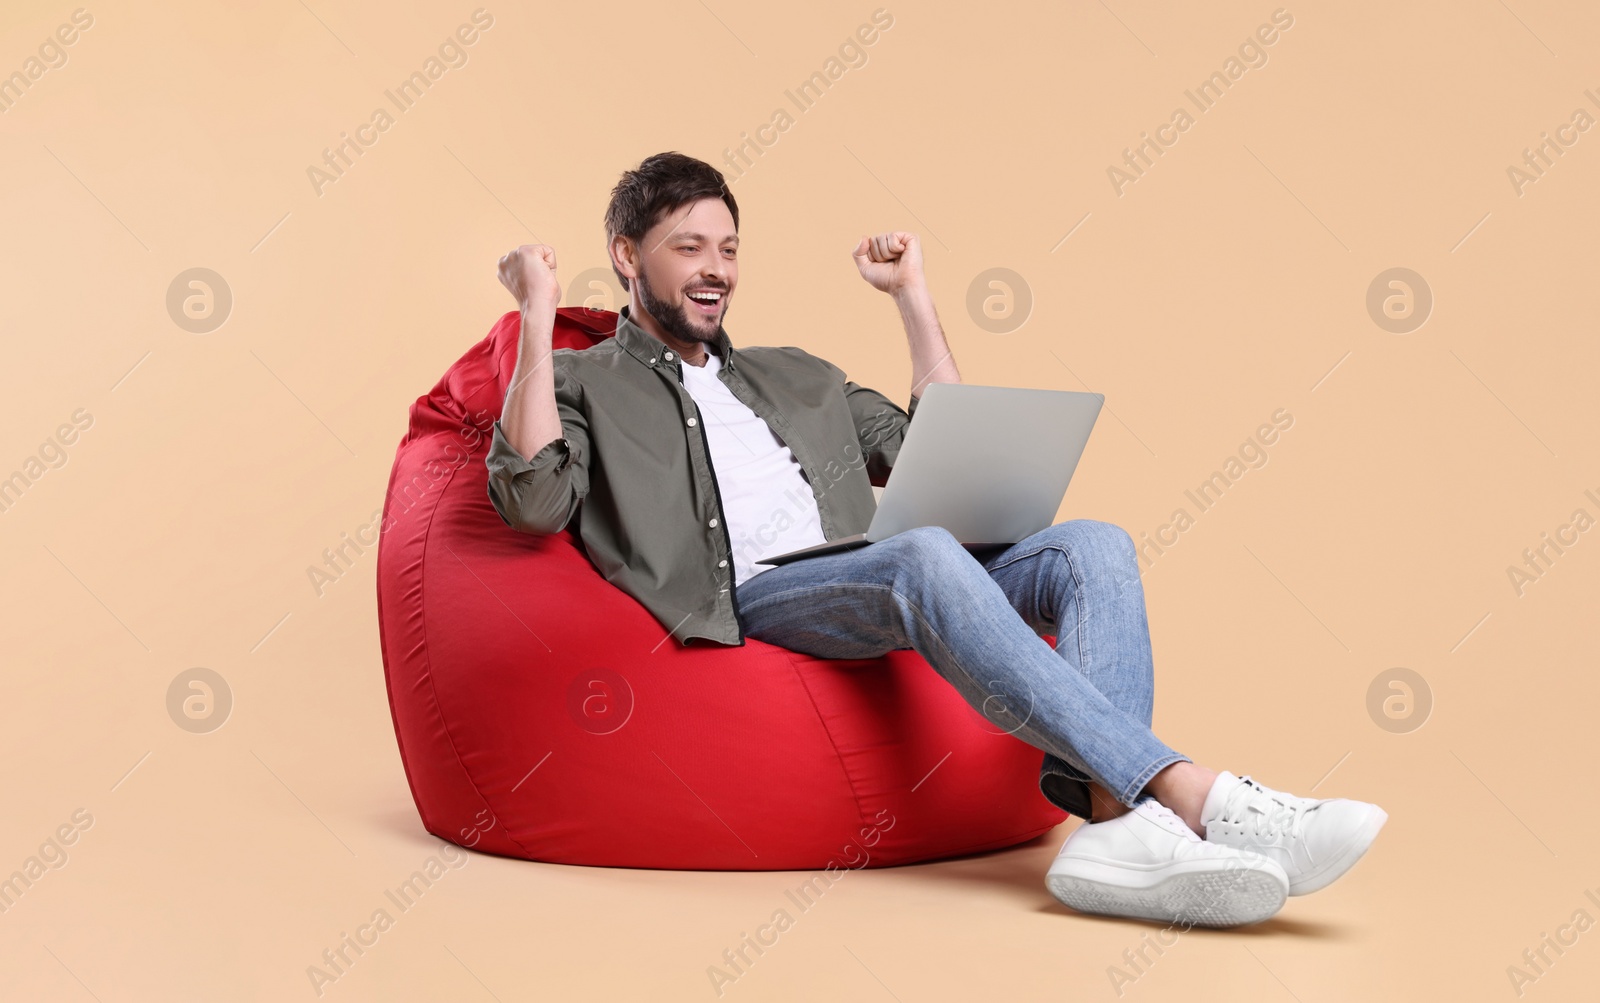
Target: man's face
pixel 688 268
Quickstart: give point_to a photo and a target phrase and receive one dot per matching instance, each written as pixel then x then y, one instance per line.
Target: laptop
pixel 990 464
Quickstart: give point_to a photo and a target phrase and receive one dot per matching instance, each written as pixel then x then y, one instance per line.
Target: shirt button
pixel 691 422
pixel 713 524
pixel 722 564
pixel 666 355
pixel 652 361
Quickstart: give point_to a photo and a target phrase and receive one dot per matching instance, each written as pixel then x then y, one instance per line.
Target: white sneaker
pixel 1150 865
pixel 1313 840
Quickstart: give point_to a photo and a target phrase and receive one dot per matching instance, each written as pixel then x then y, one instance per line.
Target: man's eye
pixel 689 247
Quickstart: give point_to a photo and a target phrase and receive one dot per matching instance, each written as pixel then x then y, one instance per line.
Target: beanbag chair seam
pixel 394 706
pixel 844 767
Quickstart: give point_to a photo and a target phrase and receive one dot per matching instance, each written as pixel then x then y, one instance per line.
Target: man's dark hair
pixel 659 185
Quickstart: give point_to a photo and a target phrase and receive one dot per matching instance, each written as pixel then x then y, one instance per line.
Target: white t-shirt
pixel 765 496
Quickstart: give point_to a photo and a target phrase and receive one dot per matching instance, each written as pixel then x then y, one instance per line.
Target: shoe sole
pixel 1344 860
pixel 1233 896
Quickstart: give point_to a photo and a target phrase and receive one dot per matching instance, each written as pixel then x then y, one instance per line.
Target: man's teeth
pixel 706 297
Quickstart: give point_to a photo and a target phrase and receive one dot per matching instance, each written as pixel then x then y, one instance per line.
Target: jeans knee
pixel 1106 538
pixel 1097 547
pixel 928 552
pixel 931 540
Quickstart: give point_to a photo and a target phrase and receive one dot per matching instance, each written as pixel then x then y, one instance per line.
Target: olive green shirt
pixel 633 468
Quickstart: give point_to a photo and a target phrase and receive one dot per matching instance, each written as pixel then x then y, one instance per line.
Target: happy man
pixel 685 459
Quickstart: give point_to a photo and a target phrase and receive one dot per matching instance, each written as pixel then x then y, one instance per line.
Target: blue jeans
pixel 976 615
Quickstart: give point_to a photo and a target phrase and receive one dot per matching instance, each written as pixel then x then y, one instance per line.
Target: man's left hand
pixel 891 262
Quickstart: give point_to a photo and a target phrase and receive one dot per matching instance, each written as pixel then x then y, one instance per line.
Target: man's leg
pixel 922 590
pixel 1079 580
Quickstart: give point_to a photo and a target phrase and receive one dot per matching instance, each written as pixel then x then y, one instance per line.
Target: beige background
pixel 1229 282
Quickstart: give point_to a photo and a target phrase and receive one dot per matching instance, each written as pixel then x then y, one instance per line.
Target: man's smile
pixel 706 301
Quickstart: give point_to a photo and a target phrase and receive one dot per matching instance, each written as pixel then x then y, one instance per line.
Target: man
pixel 685 460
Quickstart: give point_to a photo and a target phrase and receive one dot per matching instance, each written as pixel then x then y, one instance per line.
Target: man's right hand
pixel 529 272
pixel 530 418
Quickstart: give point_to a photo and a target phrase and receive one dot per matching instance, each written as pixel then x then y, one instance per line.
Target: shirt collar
pixel 652 351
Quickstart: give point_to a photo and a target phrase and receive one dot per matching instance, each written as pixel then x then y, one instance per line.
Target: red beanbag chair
pixel 543 713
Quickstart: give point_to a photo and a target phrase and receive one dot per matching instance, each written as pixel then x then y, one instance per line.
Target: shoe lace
pixel 1264 811
pixel 1162 815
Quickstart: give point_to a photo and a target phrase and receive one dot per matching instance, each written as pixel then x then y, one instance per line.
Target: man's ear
pixel 625 257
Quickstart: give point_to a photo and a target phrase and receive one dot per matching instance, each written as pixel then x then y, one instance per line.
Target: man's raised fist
pixel 530 273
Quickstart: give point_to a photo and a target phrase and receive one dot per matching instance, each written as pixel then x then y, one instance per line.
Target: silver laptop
pixel 990 464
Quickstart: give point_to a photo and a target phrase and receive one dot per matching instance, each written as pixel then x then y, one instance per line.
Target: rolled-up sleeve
pixel 541 493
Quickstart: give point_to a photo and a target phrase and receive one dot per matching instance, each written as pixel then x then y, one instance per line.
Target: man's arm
pixel 892 263
pixel 539 457
pixel 540 493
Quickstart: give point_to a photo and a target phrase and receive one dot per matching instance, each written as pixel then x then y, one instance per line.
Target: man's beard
pixel 675 319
